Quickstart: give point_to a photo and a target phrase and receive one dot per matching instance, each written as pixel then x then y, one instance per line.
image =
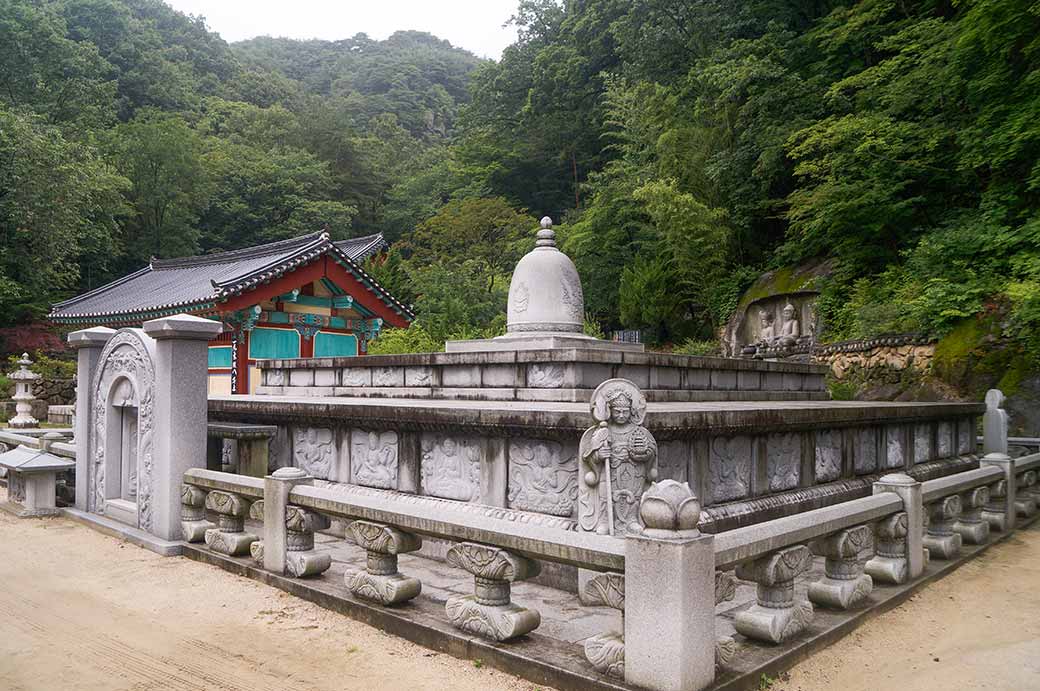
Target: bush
pixel 692 346
pixel 45 366
pixel 414 339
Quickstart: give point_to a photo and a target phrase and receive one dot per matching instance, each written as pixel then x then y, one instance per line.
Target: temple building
pixel 303 297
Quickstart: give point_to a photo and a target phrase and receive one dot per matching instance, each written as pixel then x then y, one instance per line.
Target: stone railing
pixel 658 579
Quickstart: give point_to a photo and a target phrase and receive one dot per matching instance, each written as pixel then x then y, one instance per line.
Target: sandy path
pixel 80 610
pixel 978 628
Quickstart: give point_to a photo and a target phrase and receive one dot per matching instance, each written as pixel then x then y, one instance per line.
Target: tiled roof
pixel 188 283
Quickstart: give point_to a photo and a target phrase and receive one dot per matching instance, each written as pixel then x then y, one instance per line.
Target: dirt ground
pixel 80 610
pixel 978 628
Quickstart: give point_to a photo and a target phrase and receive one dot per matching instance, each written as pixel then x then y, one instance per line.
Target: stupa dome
pixel 545 293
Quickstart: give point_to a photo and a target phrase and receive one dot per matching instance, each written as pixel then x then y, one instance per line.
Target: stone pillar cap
pixel 183 326
pixel 290 473
pixel 94 337
pixel 897 479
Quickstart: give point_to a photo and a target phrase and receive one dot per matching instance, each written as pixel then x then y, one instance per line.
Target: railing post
pixel 181 411
pixel 909 490
pixel 670 594
pixel 88 344
pixel 276 504
pixel 995 446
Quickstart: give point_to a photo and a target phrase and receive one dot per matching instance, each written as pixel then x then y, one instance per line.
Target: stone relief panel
pixel 373 458
pixel 783 460
pixel 543 476
pixel 828 455
pixel 895 448
pixel 314 451
pixel 866 457
pixel 673 460
pixel 274 377
pixel 279 450
pixel 450 467
pixel 125 357
pixel 922 443
pixel 965 436
pixel 729 463
pixel 356 376
pixel 388 376
pixel 944 440
pixel 545 375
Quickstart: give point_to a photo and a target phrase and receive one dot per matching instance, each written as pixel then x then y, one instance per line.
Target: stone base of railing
pixel 943 546
pixel 497 622
pixel 231 544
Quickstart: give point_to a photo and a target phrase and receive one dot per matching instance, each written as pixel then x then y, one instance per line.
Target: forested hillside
pixel 128 130
pixel 682 146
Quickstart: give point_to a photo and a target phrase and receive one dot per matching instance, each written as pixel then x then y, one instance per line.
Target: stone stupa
pixel 546 307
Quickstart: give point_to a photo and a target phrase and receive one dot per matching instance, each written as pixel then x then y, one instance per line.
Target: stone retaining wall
pixel 879 361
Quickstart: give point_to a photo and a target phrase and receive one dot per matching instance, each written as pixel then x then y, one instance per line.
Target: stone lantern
pixel 23 397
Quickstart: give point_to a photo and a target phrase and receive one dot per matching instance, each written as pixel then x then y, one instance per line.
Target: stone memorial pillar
pixel 909 490
pixel 995 445
pixel 181 412
pixel 669 641
pixel 88 344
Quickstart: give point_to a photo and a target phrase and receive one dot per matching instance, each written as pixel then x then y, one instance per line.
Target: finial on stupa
pixel 546 236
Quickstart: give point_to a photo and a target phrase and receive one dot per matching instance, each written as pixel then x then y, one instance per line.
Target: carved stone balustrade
pixel 845 585
pixel 300 558
pixel 972 527
pixel 256 550
pixel 776 616
pixel 193 514
pixel 489 612
pixel 229 537
pixel 1025 499
pixel 606 651
pixel 941 540
pixel 995 512
pixel 725 646
pixel 889 564
pixel 381 581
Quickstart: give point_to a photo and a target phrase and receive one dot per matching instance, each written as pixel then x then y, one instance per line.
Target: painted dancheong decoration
pixel 302 297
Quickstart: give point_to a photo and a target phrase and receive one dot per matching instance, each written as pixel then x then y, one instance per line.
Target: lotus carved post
pixel 193 514
pixel 889 564
pixel 777 616
pixel 941 541
pixel 489 612
pixel 845 585
pixel 230 537
pixel 972 526
pixel 617 460
pixel 381 581
pixel 670 509
pixel 606 651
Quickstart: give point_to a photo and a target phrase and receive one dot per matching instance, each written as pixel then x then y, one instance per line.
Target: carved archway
pixel 125 380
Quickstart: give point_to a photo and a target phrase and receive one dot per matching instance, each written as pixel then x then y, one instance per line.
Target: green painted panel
pixel 334 345
pixel 220 356
pixel 273 343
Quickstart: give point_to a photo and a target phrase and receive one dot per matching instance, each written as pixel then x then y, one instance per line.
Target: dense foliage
pixel 682 146
pixel 128 130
